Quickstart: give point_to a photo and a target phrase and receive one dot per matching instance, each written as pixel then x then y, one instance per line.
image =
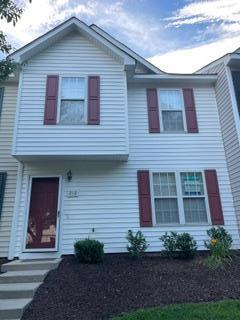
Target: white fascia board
pixel 232 60
pixel 127 50
pixel 173 78
pixel 59 32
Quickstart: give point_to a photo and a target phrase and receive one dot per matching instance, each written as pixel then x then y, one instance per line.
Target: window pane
pixel 72 88
pixel 195 210
pixel 172 121
pixel 72 112
pixel 166 210
pixel 170 100
pixel 192 183
pixel 164 184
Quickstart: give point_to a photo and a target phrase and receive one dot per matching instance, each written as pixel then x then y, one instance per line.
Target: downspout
pixel 12 244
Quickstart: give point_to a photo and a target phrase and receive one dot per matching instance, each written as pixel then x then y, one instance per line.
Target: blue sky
pixel 176 35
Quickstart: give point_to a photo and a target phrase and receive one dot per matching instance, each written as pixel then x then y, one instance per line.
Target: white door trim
pixel 24 249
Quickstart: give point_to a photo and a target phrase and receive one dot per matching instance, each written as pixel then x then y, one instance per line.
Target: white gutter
pixel 172 78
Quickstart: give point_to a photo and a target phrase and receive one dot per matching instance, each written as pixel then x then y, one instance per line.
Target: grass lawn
pixel 223 310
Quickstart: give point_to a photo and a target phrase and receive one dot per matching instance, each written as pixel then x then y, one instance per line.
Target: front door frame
pixel 58 214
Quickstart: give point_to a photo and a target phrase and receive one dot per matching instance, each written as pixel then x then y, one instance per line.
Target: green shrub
pixel 169 244
pixel 179 245
pixel 219 234
pixel 89 251
pixel 186 245
pixel 137 244
pixel 219 244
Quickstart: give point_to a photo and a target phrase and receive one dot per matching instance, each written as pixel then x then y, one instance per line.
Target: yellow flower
pixel 213 242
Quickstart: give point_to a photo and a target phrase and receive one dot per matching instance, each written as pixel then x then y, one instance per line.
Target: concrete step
pixel 18 290
pixel 13 308
pixel 23 276
pixel 17 265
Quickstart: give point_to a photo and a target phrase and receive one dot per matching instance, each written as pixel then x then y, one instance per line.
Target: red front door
pixel 42 220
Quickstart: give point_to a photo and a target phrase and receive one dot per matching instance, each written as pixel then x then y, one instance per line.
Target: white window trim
pixel 85 77
pixel 182 221
pixel 161 110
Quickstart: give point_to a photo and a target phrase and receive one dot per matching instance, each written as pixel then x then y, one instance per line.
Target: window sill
pixel 174 132
pixel 205 224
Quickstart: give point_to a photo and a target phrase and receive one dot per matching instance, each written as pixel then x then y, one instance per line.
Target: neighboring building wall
pixel 7 164
pixel 229 131
pixel 73 55
pixel 108 193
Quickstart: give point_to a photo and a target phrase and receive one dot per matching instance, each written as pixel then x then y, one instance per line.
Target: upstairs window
pixel 171 108
pixel 72 100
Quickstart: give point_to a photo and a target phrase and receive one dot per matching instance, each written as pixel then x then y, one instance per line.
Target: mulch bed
pixel 92 292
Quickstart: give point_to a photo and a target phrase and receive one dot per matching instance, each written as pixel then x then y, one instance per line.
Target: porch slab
pixel 21 265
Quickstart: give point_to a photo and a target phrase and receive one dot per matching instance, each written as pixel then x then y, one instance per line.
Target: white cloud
pixel 224 13
pixel 190 59
pixel 41 15
pixel 222 23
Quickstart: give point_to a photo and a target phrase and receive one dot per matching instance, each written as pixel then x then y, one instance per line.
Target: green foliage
pixel 222 310
pixel 220 234
pixel 137 244
pixel 179 245
pixel 12 13
pixel 219 244
pixel 169 243
pixel 5 47
pixel 6 68
pixel 89 251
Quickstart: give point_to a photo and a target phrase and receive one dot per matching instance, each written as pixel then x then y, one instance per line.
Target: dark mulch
pixel 88 292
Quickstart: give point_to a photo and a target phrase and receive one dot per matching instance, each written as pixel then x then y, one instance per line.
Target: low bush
pixel 179 245
pixel 169 244
pixel 219 244
pixel 89 251
pixel 137 244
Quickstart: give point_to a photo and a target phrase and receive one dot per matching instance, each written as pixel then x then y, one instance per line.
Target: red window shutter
pixel 50 114
pixel 145 208
pixel 93 100
pixel 190 110
pixel 153 111
pixel 214 197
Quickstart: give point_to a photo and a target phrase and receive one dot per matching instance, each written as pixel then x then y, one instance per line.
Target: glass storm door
pixel 43 211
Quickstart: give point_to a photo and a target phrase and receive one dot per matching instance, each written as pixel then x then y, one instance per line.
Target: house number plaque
pixel 72 193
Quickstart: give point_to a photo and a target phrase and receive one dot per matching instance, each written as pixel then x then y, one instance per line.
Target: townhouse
pixel 107 142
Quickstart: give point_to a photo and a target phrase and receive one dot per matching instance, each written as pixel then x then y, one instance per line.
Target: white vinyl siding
pixel 7 164
pixel 73 56
pixel 229 131
pixel 107 200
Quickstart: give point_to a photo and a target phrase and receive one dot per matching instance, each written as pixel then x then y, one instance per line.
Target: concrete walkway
pixel 18 284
